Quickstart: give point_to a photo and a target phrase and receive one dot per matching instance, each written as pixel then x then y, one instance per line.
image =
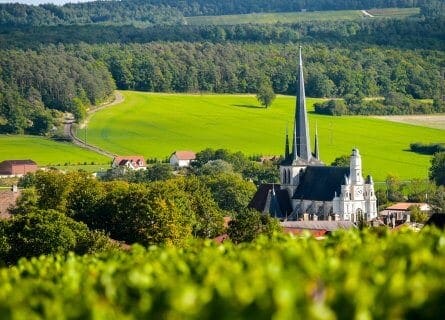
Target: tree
pixel 417 215
pixel 230 191
pixel 249 224
pixel 46 232
pixel 437 169
pixel 265 94
pixel 342 161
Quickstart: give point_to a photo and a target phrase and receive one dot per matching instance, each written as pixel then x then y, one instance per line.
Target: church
pixel 308 188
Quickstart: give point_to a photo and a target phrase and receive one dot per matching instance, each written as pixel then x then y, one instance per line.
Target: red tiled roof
pixel 185 155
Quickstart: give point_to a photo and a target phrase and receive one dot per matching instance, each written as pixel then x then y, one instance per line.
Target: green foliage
pixel 249 224
pixel 265 94
pixel 46 232
pixel 394 104
pixel 349 275
pixel 437 169
pixel 342 161
pixel 217 166
pixel 230 191
pixel 427 148
pixel 417 215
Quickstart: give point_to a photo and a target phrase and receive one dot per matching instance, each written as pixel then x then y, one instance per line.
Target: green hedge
pixel 361 275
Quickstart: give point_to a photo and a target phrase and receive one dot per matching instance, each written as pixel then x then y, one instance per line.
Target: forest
pixel 171 11
pixel 67 58
pixel 73 77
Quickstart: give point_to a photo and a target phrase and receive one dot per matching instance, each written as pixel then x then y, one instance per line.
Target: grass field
pixel 46 152
pixel 292 17
pixel 154 125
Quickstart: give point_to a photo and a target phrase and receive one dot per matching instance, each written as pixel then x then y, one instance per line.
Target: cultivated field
pixel 46 152
pixel 292 17
pixel 154 125
pixel 429 120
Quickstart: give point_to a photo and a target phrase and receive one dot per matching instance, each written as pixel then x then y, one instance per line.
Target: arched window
pixel 288 177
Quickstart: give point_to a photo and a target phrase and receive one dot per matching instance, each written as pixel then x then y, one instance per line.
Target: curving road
pixel 69 128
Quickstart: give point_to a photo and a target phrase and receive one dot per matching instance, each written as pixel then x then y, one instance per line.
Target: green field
pixel 46 152
pixel 292 17
pixel 155 125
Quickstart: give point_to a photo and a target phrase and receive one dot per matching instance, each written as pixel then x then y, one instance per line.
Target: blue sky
pixel 43 1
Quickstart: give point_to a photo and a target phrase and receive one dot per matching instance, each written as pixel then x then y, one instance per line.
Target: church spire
pixel 317 152
pixel 301 147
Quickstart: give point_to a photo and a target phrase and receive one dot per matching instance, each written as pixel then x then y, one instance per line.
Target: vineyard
pixel 349 275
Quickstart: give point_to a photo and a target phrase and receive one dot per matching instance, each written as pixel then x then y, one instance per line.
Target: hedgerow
pixel 353 274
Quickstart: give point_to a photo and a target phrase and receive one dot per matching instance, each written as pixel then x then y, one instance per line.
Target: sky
pixel 42 1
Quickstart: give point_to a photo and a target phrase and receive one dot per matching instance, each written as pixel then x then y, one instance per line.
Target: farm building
pixel 17 167
pixel 182 158
pixel 129 162
pixel 311 189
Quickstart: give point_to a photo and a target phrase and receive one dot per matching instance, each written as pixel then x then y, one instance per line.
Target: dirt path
pixel 366 13
pixel 69 128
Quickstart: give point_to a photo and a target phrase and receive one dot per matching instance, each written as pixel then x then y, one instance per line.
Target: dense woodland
pixel 71 78
pixel 172 11
pixel 71 63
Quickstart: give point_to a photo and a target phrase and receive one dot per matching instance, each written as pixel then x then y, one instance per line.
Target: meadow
pixel 293 17
pixel 155 124
pixel 46 152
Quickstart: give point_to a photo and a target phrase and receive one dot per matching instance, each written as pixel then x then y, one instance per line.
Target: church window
pixel 288 176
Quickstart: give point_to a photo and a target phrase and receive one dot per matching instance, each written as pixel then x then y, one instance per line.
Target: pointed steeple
pixel 316 151
pixel 301 147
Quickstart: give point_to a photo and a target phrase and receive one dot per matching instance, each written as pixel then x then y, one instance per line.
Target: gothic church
pixel 308 187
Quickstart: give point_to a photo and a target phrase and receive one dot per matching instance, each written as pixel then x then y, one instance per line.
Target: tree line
pixel 173 12
pixel 36 86
pixel 403 33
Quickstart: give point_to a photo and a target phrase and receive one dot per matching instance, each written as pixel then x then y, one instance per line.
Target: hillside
pixel 155 125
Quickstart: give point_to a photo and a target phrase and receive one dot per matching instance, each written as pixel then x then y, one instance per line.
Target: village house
pixel 17 167
pixel 129 162
pixel 182 159
pixel 400 212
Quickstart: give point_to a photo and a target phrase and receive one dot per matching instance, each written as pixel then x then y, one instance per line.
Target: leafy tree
pixel 265 94
pixel 437 169
pixel 417 215
pixel 342 161
pixel 214 167
pixel 46 232
pixel 248 224
pixel 231 192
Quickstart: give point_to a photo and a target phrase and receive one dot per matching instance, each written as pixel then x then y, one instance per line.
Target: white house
pixel 130 162
pixel 182 158
pixel 401 211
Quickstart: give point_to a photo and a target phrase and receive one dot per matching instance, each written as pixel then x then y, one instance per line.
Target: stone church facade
pixel 308 188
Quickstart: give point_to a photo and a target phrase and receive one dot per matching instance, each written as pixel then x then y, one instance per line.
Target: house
pixel 17 167
pixel 400 212
pixel 308 186
pixel 8 198
pixel 130 162
pixel 182 158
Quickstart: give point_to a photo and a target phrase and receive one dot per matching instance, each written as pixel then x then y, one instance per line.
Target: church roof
pixel 320 183
pixel 265 201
